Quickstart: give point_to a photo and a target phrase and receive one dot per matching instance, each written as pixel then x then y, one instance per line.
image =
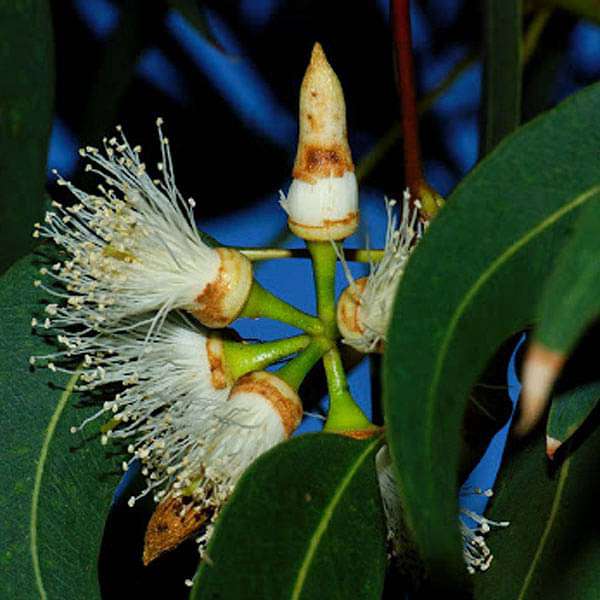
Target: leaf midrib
pixel 37 485
pixel 470 295
pixel 324 522
pixel 564 473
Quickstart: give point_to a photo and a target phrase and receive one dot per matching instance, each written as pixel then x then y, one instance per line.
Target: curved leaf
pixel 571 298
pixel 473 281
pixel 26 101
pixel 568 412
pixel 551 549
pixel 57 487
pixel 305 522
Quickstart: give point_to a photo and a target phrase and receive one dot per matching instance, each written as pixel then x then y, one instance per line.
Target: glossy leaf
pixel 56 486
pixel 551 549
pixel 305 522
pixel 502 71
pixel 571 298
pixel 568 412
pixel 472 282
pixel 26 101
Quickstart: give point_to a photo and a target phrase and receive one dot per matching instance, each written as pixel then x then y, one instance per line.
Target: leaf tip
pixel 552 445
pixel 540 370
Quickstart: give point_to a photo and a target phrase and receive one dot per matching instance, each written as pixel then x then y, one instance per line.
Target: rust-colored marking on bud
pixel 216 362
pixel 348 310
pixel 287 406
pixel 173 521
pixel 313 162
pixel 221 301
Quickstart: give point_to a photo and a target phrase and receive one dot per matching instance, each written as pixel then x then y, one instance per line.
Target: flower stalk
pixel 296 370
pixel 324 265
pixel 242 358
pixel 262 303
pixel 344 414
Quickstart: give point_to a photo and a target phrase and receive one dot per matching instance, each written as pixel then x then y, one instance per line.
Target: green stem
pixel 324 261
pixel 243 358
pixel 344 414
pixel 262 303
pixel 294 372
pixel 352 254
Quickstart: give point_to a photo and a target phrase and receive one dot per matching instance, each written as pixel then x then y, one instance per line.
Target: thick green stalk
pixel 262 303
pixel 294 372
pixel 344 414
pixel 243 358
pixel 324 264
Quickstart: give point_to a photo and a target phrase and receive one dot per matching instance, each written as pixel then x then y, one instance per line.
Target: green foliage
pixel 571 298
pixel 473 281
pixel 551 549
pixel 570 410
pixel 502 71
pixel 305 521
pixel 56 486
pixel 26 102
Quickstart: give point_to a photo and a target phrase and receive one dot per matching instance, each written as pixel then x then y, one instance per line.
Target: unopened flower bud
pixel 322 202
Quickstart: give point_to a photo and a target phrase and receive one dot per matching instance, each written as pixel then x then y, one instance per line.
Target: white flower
pixel 322 202
pixel 261 411
pixel 476 554
pixel 133 247
pixel 163 388
pixel 365 308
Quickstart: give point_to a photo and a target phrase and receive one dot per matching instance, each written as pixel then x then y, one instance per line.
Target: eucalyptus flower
pixel 132 247
pixel 261 411
pixel 161 389
pixel 476 553
pixel 364 309
pixel 322 202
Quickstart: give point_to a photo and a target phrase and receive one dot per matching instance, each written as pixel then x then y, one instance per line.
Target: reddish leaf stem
pixel 400 13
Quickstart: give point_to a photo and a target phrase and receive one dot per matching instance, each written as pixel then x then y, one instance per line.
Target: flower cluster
pixel 133 279
pixel 141 300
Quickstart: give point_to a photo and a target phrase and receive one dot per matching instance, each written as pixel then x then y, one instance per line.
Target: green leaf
pixel 305 522
pixel 56 487
pixel 502 71
pixel 568 412
pixel 551 549
pixel 473 281
pixel 26 99
pixel 571 298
